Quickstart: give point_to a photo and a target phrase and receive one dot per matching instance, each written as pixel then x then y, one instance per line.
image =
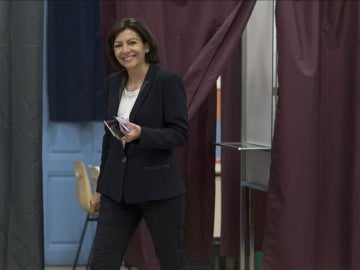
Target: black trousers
pixel 118 221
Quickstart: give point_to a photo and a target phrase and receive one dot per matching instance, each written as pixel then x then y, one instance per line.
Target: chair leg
pixel 81 242
pixel 90 255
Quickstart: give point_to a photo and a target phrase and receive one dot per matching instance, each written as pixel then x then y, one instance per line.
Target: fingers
pixel 94 208
pixel 134 133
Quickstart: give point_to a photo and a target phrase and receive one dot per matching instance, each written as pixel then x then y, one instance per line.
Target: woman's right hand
pixel 95 203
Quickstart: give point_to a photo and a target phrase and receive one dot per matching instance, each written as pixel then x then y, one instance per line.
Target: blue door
pixel 63 218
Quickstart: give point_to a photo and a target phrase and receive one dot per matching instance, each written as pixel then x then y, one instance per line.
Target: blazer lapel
pixel 145 89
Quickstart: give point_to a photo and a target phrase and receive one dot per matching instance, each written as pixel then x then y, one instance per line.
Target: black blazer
pixel 146 169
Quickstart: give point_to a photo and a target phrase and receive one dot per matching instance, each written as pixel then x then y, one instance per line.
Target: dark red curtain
pixel 230 158
pixel 196 39
pixel 313 219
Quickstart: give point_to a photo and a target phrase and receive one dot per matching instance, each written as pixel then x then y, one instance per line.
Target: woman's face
pixel 129 49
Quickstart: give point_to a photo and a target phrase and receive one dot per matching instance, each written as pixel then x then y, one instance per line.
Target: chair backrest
pixel 83 185
pixel 95 171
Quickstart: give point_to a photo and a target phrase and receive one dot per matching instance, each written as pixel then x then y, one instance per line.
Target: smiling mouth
pixel 128 58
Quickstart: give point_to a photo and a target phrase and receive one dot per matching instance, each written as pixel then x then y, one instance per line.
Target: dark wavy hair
pixel 142 30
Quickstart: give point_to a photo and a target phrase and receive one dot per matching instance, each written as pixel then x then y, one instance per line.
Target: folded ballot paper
pixel 113 126
pixel 120 120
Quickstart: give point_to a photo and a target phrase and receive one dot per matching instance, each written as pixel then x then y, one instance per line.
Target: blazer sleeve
pixel 175 127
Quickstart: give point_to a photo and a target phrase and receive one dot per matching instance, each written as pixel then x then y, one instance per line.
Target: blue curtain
pixel 76 81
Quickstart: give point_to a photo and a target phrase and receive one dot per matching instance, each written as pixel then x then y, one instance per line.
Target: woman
pixel 139 177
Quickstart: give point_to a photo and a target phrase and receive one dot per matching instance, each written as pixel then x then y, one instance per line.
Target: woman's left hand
pixel 133 134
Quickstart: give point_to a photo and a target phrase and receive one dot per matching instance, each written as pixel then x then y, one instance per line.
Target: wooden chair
pixel 84 194
pixel 95 171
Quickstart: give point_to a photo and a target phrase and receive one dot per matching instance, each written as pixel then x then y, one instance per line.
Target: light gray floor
pixel 70 268
pixel 63 268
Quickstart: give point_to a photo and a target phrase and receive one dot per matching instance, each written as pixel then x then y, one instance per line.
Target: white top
pixel 127 102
